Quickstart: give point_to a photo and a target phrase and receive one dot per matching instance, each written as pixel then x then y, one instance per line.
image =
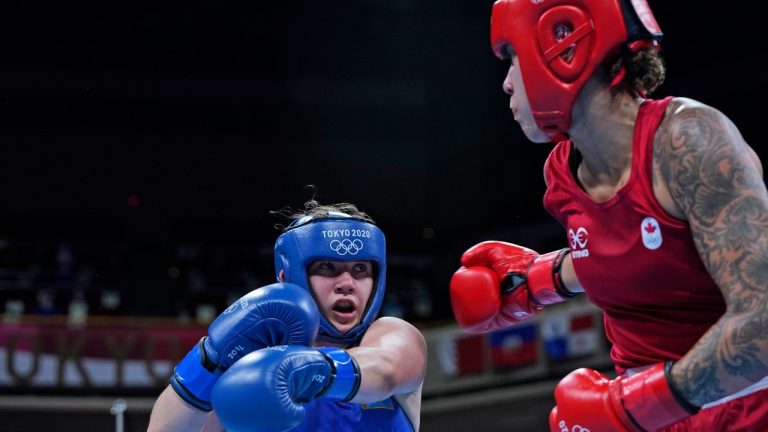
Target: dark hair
pixel 313 208
pixel 645 70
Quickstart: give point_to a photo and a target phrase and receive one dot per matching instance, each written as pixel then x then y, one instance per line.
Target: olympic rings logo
pixel 346 246
pixel 576 428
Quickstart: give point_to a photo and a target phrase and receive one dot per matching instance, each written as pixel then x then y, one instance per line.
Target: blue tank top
pixel 326 416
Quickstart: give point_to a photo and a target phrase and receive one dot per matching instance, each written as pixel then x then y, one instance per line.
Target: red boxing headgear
pixel 560 43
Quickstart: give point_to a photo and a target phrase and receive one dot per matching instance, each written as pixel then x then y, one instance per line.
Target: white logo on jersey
pixel 651 233
pixel 579 239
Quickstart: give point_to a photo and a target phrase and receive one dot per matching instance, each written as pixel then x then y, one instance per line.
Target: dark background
pixel 143 144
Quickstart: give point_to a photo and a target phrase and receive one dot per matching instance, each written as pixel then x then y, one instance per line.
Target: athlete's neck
pixel 602 131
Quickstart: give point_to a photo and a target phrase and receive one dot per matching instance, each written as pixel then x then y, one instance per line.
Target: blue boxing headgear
pixel 336 237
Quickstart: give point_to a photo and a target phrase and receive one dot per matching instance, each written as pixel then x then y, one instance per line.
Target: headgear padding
pixel 560 43
pixel 335 237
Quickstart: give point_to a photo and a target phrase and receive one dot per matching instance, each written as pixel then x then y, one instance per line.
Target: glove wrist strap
pixel 691 408
pixel 650 400
pixel 544 281
pixel 192 379
pixel 345 375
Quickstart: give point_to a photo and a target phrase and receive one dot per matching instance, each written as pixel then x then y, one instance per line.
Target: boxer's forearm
pixel 171 414
pixel 568 276
pixel 725 360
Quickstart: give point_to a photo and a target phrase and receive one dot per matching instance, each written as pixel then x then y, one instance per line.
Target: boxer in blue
pixel 307 353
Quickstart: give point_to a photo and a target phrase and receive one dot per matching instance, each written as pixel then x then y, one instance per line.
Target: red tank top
pixel 635 261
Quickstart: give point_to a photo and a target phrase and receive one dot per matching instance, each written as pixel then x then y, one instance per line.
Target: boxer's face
pixel 341 290
pixel 518 102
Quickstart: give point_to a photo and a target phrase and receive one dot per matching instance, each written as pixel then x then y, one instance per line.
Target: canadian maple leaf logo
pixel 650 228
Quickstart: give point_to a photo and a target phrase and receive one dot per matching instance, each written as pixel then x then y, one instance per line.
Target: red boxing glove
pixel 501 284
pixel 645 401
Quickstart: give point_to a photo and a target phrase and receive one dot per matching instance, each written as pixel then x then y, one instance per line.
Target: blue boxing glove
pixel 265 390
pixel 277 314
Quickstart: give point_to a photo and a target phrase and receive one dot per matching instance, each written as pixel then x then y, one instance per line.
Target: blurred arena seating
pixel 94 316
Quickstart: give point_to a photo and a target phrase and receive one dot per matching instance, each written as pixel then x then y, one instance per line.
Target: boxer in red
pixel 666 215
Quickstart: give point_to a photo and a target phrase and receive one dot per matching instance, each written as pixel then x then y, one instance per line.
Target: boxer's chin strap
pixel 619 77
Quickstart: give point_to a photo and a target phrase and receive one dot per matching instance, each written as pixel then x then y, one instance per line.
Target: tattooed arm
pixel 715 181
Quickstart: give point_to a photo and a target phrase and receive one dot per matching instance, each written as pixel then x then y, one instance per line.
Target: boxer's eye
pixel 362 270
pixel 324 268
